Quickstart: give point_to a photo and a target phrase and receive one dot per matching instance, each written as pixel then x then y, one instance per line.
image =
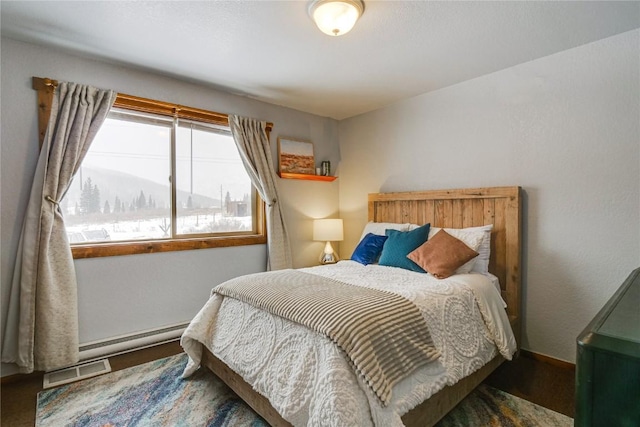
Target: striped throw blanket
pixel 383 334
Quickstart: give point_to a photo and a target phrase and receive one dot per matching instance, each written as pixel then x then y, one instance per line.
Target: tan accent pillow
pixel 442 254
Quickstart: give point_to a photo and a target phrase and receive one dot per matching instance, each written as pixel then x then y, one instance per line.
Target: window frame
pixel 46 87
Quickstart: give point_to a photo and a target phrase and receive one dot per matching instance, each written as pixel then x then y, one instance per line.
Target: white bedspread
pixel 308 380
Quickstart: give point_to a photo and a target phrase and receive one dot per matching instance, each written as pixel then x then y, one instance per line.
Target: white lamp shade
pixel 336 17
pixel 327 230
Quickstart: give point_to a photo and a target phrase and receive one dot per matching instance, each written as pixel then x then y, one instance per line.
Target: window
pixel 158 178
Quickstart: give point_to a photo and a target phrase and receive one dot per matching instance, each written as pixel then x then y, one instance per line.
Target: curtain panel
pixel 251 139
pixel 41 329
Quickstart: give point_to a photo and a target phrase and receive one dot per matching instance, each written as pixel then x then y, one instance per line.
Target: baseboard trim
pixel 548 359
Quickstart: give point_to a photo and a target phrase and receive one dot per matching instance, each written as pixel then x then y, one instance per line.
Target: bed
pixel 457 209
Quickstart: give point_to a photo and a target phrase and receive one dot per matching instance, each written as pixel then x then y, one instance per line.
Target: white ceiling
pixel 272 51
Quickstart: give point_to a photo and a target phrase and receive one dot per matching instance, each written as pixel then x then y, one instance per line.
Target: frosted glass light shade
pixel 336 17
pixel 328 230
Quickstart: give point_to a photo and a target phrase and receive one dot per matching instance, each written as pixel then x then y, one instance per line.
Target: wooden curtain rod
pixel 41 83
pixel 46 88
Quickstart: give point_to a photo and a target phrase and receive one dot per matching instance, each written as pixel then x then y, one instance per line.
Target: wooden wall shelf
pixel 286 175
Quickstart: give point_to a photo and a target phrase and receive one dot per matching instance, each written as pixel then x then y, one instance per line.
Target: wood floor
pixel 551 385
pixel 547 384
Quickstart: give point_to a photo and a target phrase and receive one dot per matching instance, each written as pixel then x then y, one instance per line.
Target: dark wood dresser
pixel 608 362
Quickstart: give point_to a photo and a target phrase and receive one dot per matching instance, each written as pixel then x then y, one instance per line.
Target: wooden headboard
pixel 471 207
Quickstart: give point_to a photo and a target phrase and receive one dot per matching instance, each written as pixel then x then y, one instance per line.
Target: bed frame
pixel 500 206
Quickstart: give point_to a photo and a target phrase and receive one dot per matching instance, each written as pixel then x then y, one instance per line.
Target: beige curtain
pixel 253 144
pixel 41 329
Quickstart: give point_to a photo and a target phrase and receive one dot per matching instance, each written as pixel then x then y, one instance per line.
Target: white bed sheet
pixel 309 381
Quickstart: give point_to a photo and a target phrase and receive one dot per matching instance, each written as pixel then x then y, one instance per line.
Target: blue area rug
pixel 154 394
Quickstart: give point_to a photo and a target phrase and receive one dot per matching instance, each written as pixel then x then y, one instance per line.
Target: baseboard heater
pixel 126 343
pixel 90 353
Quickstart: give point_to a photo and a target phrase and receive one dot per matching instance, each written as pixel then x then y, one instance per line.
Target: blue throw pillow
pixel 400 244
pixel 369 249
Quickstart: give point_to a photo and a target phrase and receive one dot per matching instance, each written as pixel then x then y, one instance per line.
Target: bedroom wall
pixel 565 128
pixel 126 294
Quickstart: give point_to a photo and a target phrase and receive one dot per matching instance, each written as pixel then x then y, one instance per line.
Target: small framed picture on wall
pixel 295 156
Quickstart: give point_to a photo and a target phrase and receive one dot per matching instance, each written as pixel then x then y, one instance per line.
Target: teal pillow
pixel 399 244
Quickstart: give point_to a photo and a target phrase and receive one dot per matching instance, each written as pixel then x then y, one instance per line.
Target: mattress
pixel 307 378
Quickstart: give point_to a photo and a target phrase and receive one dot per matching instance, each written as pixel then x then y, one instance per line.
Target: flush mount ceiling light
pixel 336 17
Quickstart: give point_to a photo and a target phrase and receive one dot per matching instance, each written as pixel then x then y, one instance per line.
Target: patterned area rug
pixel 153 394
pixel 487 406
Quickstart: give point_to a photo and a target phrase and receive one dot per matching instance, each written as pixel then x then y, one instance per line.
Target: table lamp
pixel 328 230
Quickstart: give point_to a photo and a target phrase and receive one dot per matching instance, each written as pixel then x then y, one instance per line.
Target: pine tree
pixel 95 200
pixel 86 196
pixel 141 203
pixel 107 208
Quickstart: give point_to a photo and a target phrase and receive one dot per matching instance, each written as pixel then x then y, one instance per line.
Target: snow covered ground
pixel 154 227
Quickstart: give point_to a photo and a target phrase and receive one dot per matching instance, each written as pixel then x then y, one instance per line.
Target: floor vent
pixel 76 373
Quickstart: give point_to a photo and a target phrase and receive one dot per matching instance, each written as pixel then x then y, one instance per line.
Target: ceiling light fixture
pixel 336 17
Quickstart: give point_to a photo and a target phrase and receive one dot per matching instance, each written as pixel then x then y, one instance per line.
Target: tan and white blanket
pixel 307 378
pixel 383 334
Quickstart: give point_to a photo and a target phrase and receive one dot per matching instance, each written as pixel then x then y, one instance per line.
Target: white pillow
pixel 470 236
pixel 379 228
pixel 482 260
